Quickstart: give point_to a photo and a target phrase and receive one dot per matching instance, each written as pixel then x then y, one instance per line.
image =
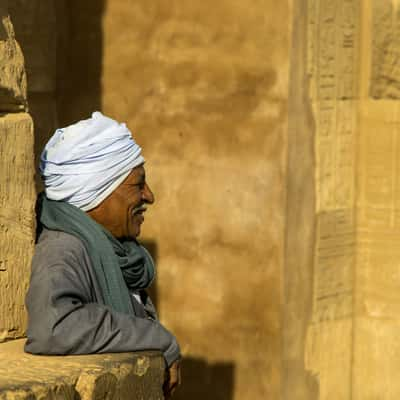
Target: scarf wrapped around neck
pixel 118 266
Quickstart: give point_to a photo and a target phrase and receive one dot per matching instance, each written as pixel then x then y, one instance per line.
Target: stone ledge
pixel 99 376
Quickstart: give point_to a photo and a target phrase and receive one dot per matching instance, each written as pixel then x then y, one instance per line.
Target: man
pixel 89 274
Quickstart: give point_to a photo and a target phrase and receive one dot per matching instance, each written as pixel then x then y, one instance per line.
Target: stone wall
pixel 298 382
pixel 319 312
pixel 205 93
pixel 340 338
pixel 377 304
pixel 332 65
pixel 17 194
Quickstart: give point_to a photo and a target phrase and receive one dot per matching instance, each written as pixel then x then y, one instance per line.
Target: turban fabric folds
pixel 83 163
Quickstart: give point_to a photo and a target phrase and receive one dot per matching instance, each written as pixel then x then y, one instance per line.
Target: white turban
pixel 83 163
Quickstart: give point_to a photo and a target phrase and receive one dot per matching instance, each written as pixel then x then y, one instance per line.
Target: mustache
pixel 141 207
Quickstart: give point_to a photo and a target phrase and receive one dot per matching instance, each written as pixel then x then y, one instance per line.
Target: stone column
pixel 342 292
pixel 17 194
pixel 377 305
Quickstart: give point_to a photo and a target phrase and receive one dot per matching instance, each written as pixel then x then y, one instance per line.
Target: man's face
pixel 122 213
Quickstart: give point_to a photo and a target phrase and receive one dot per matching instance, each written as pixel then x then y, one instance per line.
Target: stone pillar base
pixel 120 376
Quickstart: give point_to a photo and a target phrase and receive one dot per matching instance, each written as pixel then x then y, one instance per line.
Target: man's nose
pixel 148 195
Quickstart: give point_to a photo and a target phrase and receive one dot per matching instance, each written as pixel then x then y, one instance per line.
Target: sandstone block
pixel 351 351
pixel 119 376
pixel 385 76
pixel 325 87
pixel 17 199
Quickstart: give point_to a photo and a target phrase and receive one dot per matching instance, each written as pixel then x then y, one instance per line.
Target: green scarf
pixel 117 266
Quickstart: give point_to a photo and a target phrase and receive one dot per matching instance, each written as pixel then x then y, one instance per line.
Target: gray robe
pixel 67 314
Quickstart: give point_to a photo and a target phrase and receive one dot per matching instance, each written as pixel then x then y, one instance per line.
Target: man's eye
pixel 140 185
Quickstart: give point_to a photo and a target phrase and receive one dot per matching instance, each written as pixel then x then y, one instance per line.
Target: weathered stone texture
pixel 332 63
pixel 385 52
pixel 17 196
pixel 351 348
pixel 13 84
pixel 120 376
pixel 377 273
pixel 298 382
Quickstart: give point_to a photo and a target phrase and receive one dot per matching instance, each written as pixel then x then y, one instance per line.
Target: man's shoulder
pixel 57 244
pixel 58 238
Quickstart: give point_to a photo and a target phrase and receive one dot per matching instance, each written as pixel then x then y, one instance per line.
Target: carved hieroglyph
pixel 353 64
pixel 385 41
pixel 332 60
pixel 16 220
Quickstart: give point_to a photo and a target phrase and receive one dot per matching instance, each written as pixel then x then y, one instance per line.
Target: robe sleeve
pixel 64 318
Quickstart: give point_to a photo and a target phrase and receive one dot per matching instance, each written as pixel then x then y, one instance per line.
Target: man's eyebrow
pixel 138 180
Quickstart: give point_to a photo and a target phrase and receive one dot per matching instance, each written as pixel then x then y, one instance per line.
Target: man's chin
pixel 135 232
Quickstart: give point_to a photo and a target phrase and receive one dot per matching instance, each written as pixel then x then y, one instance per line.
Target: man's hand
pixel 172 379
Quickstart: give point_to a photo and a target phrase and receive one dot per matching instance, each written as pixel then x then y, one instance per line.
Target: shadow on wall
pixel 201 380
pixel 79 58
pixel 151 246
